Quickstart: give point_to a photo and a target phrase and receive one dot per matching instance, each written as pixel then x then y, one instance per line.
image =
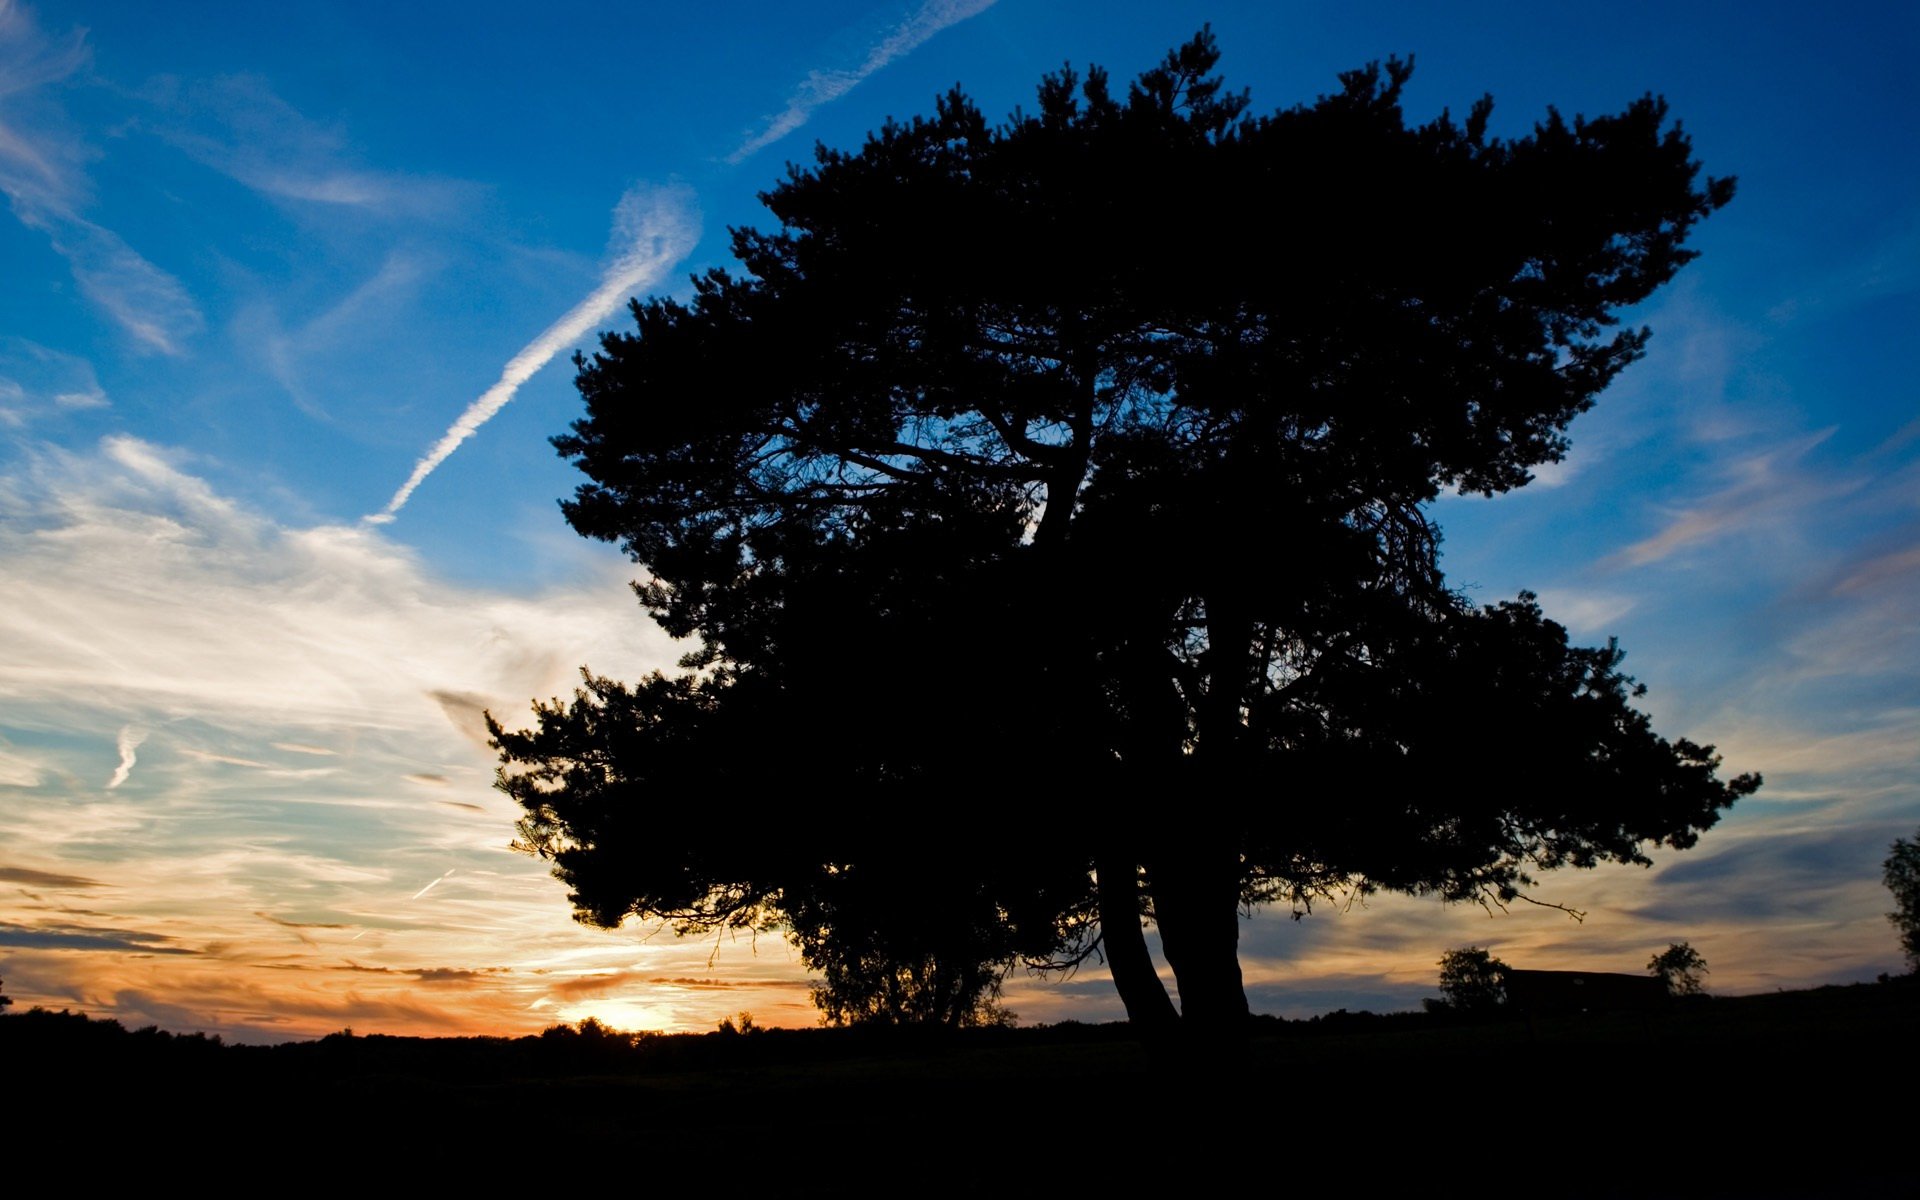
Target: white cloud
pixel 41 177
pixel 129 585
pixel 1780 749
pixel 654 228
pixel 129 740
pixel 286 677
pixel 824 86
pixel 1584 612
pixel 1550 475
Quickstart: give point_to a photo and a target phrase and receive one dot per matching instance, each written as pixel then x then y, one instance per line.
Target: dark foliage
pixel 92 1101
pixel 1680 967
pixel 909 925
pixel 1048 501
pixel 1472 981
pixel 1901 874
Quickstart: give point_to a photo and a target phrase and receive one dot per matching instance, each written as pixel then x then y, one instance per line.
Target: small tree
pixel 1680 967
pixel 1472 980
pixel 740 1023
pixel 1901 873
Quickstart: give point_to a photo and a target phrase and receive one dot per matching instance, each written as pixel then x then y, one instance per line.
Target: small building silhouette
pixel 1547 993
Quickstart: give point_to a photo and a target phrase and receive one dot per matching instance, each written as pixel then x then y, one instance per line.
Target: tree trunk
pixel 1196 903
pixel 1128 958
pixel 1195 877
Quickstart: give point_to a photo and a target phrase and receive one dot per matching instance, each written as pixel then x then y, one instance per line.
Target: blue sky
pixel 259 262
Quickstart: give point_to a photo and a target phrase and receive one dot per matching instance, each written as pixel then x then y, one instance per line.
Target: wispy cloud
pixel 129 586
pixel 17 770
pixel 347 326
pixel 654 228
pixel 238 125
pixel 148 303
pixel 40 171
pixel 47 879
pixel 79 937
pixel 1761 488
pixel 37 382
pixel 229 759
pixel 128 741
pixel 135 594
pixel 824 86
pixel 597 984
pixel 432 974
pixel 1583 611
pixel 41 177
pixel 1881 570
pixel 301 924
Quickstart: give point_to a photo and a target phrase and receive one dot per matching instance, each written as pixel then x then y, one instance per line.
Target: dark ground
pixel 1791 1094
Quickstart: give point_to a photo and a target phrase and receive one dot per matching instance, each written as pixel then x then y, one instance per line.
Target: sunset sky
pixel 290 294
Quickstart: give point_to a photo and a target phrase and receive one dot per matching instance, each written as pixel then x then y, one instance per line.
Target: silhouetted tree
pixel 1901 874
pixel 863 981
pixel 740 1023
pixel 650 800
pixel 938 960
pixel 1472 980
pixel 1680 967
pixel 1048 501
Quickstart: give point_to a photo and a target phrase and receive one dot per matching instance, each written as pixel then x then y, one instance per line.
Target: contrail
pixel 129 739
pixel 661 225
pixel 820 87
pixel 655 227
pixel 423 891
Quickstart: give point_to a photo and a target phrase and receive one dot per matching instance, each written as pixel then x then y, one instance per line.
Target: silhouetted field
pixel 1796 1093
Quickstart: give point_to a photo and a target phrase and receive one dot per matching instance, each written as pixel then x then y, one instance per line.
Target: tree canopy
pixel 1472 980
pixel 1048 499
pixel 1680 967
